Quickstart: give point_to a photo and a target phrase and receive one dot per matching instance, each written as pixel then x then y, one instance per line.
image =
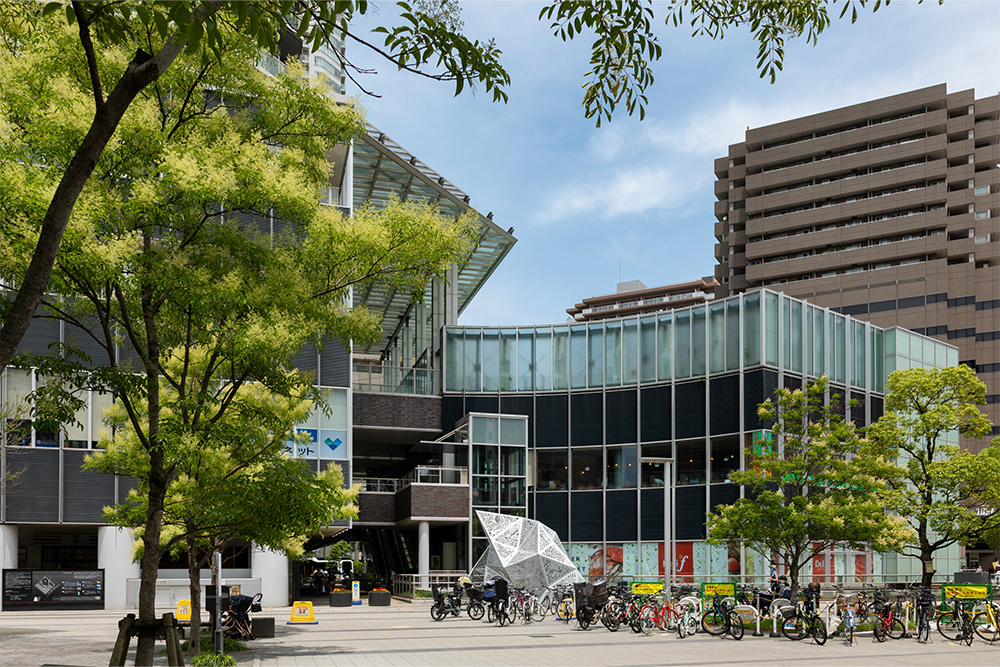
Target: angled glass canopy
pixel 381 167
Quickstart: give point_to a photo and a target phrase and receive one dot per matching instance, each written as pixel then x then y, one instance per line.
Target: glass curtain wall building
pixel 684 384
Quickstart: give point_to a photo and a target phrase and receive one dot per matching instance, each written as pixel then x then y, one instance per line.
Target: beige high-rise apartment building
pixel 887 211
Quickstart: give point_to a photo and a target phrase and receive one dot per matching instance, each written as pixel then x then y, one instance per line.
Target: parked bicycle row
pixel 887 615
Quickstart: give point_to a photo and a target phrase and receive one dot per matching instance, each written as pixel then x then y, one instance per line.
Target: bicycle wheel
pixel 647 620
pixel 796 627
pixel 713 622
pixel 923 626
pixel 476 610
pixel 849 633
pixel 539 610
pixel 879 629
pixel 565 610
pixel 734 626
pixel 985 626
pixel 896 629
pixel 610 621
pixel 583 618
pixel 437 611
pixel 950 626
pixel 818 630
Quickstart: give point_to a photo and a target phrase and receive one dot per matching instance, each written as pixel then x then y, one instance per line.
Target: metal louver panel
pixel 36 495
pixel 85 494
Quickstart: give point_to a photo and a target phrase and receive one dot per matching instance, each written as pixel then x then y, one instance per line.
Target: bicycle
pixel 925 610
pixel 986 623
pixel 687 624
pixel 721 620
pixel 886 620
pixel 957 624
pixel 653 615
pixel 803 622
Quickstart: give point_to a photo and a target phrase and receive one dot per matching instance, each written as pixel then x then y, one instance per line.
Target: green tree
pixel 234 483
pixel 165 259
pixel 152 36
pixel 425 39
pixel 947 494
pixel 819 485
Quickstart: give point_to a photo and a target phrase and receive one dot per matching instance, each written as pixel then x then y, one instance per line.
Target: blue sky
pixel 634 200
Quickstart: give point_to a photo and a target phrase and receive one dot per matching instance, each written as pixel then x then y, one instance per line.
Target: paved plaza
pixel 404 634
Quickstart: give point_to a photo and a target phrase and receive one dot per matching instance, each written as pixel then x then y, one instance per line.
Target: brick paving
pixel 404 634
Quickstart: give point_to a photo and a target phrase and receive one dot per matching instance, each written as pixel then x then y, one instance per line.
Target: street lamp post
pixel 668 523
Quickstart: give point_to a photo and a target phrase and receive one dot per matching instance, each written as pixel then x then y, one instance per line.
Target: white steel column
pixel 424 553
pixel 114 556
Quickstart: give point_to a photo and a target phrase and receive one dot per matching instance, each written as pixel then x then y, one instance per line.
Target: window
pixel 725 457
pixel 588 468
pixel 982 190
pixel 551 469
pixel 653 473
pixel 622 467
pixel 982 215
pixel 691 462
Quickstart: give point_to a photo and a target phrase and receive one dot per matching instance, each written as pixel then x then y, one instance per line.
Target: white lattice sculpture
pixel 525 552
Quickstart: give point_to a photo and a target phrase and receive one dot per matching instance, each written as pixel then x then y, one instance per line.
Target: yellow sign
pixel 302 614
pixel 646 588
pixel 964 592
pixel 183 614
pixel 708 590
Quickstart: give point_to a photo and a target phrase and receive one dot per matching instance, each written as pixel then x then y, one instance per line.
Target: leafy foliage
pixel 946 494
pixel 821 484
pixel 201 254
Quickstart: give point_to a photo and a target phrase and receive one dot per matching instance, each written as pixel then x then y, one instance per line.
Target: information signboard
pixel 724 589
pixel 647 587
pixel 53 589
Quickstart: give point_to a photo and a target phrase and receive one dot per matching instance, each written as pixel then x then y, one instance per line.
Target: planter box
pixel 379 599
pixel 341 599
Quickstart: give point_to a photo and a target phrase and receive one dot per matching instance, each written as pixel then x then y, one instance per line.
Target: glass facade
pixel 701 341
pixel 685 384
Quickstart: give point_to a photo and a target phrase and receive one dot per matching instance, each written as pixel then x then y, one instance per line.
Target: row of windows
pixel 854 173
pixel 870 122
pixel 740 331
pixel 854 150
pixel 855 268
pixel 852 198
pixel 698 461
pixel 854 245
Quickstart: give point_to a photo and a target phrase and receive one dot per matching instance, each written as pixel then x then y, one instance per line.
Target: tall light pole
pixel 668 523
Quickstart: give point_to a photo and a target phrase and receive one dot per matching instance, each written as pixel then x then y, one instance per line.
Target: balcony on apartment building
pixel 434 494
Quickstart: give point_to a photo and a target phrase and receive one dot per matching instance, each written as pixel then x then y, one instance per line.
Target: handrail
pixel 374 378
pixel 437 475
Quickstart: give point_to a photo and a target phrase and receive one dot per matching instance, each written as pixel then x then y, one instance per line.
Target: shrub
pixel 213 660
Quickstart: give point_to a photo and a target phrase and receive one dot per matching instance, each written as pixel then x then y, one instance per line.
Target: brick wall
pixel 397 410
pixel 377 507
pixel 432 500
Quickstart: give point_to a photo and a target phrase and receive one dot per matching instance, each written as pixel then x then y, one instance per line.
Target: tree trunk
pixel 194 577
pixel 151 552
pixel 142 71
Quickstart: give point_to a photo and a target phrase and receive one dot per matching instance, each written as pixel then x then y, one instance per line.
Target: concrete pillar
pixel 424 553
pixel 272 570
pixel 114 556
pixel 8 547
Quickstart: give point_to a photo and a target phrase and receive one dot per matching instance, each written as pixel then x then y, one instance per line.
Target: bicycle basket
pixel 583 594
pixel 788 612
pixel 601 594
